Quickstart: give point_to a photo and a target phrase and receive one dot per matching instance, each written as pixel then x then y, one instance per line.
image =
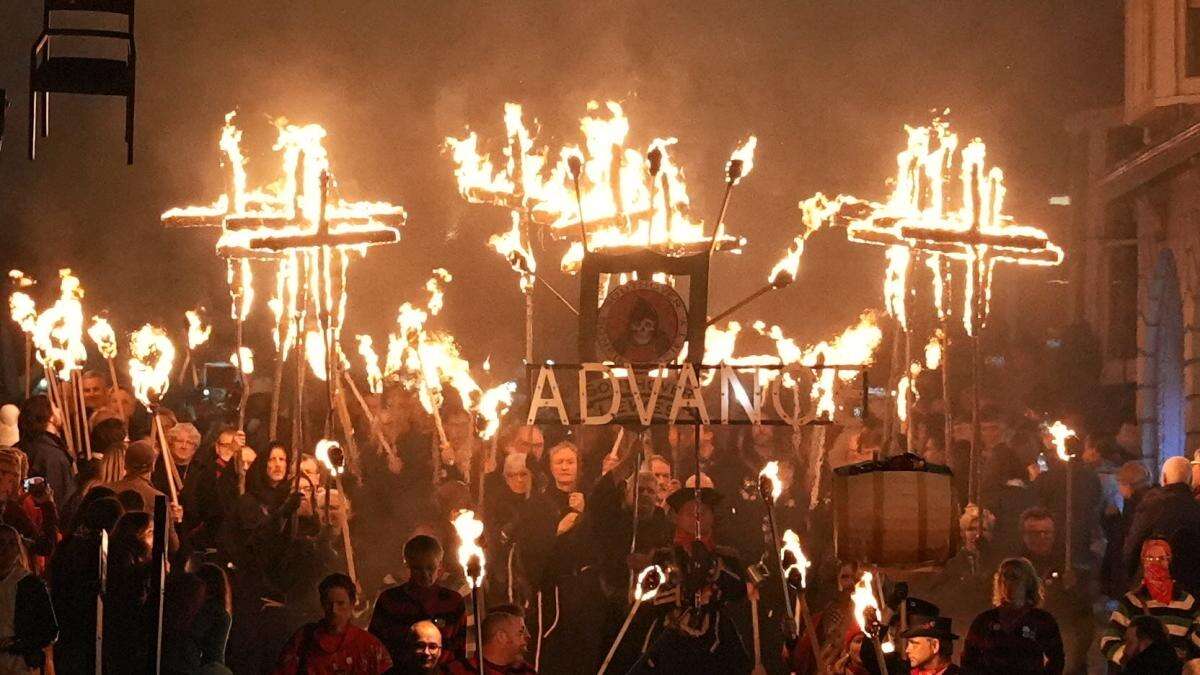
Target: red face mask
pixel 1156 569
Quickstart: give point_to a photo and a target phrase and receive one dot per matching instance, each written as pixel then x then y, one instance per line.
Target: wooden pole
pixel 158 556
pixel 373 421
pixel 112 373
pixel 276 389
pixel 84 428
pixel 169 461
pixel 345 527
pixel 612 650
pixel 102 577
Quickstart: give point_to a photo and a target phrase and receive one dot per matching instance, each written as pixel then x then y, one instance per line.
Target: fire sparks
pixel 649 580
pixel 198 329
pixel 151 357
pixel 622 203
pixel 770 475
pixel 283 302
pixel 331 456
pixel 58 331
pixel 101 332
pixel 1059 433
pixel 793 558
pixel 243 361
pixel 906 390
pixel 864 601
pixel 470 553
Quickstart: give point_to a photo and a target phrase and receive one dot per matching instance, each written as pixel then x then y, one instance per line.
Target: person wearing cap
pixel 693 631
pixel 1158 596
pixel 139 464
pixel 929 647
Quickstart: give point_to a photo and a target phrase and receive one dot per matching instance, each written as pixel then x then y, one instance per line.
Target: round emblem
pixel 641 322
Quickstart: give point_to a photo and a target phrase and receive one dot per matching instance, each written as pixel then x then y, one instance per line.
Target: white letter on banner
pixel 615 402
pixel 645 410
pixel 729 377
pixel 546 376
pixel 688 381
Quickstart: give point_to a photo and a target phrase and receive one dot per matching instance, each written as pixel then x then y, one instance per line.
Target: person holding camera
pixel 27 505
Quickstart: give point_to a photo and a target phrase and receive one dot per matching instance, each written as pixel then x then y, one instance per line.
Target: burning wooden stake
pixel 470 556
pixel 330 454
pixel 648 583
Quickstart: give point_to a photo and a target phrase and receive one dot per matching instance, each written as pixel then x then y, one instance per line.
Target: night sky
pixel 827 86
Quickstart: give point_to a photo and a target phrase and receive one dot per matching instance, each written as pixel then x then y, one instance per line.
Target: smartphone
pixel 1041 462
pixel 35 485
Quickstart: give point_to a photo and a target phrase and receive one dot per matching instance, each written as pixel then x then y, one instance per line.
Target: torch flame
pixel 102 334
pixel 933 351
pixel 23 310
pixel 863 599
pixel 770 473
pixel 243 361
pixel 741 161
pixel 325 451
pixel 366 349
pixel 470 553
pixel 1060 432
pixel 151 357
pixel 198 330
pixel 793 558
pixel 58 332
pixel 492 406
pixel 521 259
pixel 649 580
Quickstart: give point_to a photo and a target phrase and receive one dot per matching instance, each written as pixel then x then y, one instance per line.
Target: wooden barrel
pixel 899 512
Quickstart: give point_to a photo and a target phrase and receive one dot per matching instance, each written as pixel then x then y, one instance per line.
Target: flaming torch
pixel 739 166
pixel 470 556
pixel 1059 433
pixel 770 487
pixel 101 332
pixel 795 569
pixel 649 581
pixel 24 313
pixel 869 616
pixel 151 358
pixel 330 454
pixel 58 336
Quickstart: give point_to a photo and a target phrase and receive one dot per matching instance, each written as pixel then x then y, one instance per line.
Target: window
pixel 1191 19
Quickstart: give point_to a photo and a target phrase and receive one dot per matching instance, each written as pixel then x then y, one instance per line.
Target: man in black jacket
pixel 1172 513
pixel 1148 650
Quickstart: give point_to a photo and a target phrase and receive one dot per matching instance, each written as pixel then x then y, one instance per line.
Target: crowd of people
pixel 276 565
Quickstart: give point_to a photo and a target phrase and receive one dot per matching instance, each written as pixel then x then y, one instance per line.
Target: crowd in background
pixel 257 561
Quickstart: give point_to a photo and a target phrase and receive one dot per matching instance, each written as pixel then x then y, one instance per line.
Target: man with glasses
pixel 1158 596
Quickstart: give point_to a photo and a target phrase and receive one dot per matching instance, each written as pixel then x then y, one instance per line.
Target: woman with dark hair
pixel 1016 636
pixel 40 441
pixel 263 522
pixel 196 622
pixel 128 612
pixel 216 616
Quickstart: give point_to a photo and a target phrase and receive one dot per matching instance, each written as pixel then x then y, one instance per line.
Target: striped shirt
pixel 1181 617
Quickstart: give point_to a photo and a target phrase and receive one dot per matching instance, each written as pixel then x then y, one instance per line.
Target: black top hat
pixel 708 496
pixel 938 627
pixel 916 610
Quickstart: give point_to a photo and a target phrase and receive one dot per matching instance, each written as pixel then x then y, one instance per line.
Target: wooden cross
pixel 296 220
pixel 978 235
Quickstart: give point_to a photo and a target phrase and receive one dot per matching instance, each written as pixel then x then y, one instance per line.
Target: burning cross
pixel 292 219
pixel 916 220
